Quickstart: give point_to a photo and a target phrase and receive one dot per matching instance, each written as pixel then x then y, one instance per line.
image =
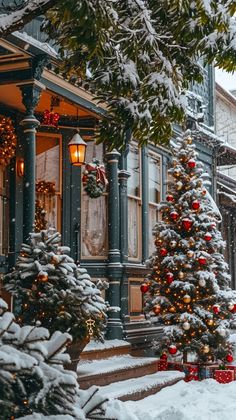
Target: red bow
pixel 100 172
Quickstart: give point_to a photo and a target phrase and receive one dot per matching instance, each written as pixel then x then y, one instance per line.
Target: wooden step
pixel 95 350
pixel 113 369
pixel 138 388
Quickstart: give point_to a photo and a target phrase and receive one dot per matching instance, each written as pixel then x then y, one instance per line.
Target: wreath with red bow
pixel 94 179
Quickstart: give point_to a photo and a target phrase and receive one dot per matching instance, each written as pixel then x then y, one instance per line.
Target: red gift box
pixel 162 365
pixel 191 372
pixel 233 368
pixel 224 376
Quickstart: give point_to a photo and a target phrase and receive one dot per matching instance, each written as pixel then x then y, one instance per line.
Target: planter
pixel 74 350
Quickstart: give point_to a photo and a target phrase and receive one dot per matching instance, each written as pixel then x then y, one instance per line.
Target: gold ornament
pixel 158 242
pixel 179 185
pixel 210 322
pixel 90 324
pixel 181 275
pixel 42 276
pixel 187 298
pixel 54 260
pixel 206 348
pixel 189 140
pixel 172 309
pixel 190 254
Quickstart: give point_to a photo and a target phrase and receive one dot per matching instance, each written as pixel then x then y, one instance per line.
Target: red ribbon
pixel 100 172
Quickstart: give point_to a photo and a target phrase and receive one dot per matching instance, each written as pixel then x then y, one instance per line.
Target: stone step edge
pixel 155 382
pixel 121 369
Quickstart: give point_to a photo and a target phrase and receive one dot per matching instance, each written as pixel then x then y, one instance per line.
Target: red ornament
pixel 202 260
pixel 174 215
pixel 191 163
pixel 144 287
pixel 169 277
pixel 187 224
pixel 229 358
pixel 207 237
pixel 195 205
pixel 172 349
pixel 170 197
pixel 234 308
pixel 156 309
pixel 216 309
pixel 163 252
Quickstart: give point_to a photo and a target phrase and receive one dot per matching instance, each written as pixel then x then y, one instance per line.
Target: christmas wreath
pixel 94 179
pixel 7 140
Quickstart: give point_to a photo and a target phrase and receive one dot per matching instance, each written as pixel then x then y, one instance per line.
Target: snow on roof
pixel 44 46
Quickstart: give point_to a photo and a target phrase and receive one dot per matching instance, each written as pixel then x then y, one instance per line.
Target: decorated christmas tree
pixel 49 287
pixel 188 289
pixel 33 380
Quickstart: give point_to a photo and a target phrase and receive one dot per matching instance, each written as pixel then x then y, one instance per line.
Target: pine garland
pixel 7 140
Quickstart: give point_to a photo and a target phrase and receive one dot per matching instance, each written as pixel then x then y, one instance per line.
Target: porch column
pixel 145 204
pixel 31 92
pixel 114 269
pixel 123 179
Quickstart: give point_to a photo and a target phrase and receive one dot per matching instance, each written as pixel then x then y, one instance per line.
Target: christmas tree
pixel 52 289
pixel 188 288
pixel 33 380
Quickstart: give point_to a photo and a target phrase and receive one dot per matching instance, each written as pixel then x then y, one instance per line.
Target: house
pixel 226 174
pixel 110 235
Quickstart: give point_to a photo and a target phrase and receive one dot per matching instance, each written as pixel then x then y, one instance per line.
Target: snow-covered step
pixel 95 350
pixel 106 371
pixel 138 388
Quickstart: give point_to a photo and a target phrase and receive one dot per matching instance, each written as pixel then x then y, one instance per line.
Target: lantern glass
pixel 21 167
pixel 77 150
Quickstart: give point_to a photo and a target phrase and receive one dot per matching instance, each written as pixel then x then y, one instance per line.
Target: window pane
pixel 153 218
pixel 133 217
pixel 94 228
pixel 133 168
pixel 48 180
pixel 154 178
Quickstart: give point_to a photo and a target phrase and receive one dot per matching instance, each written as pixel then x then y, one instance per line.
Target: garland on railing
pixel 7 140
pixel 45 187
pixel 94 179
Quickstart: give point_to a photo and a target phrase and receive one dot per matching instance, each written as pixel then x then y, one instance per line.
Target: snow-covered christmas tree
pixel 33 382
pixel 188 289
pixel 49 287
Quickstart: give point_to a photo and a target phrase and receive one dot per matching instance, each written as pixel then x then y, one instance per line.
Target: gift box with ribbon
pixel 224 376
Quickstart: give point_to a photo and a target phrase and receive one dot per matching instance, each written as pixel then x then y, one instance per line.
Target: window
pixel 4 207
pixel 48 177
pixel 94 225
pixel 134 203
pixel 154 182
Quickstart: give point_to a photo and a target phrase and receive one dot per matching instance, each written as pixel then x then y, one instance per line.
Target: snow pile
pixel 206 400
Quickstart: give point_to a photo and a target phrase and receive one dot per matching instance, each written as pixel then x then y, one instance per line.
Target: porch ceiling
pixel 10 96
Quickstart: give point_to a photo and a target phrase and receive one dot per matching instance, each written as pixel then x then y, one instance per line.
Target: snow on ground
pixel 205 400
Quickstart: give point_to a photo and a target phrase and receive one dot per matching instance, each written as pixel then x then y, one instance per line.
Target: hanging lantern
pixel 77 150
pixel 191 163
pixel 20 167
pixel 174 215
pixel 187 224
pixel 195 205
